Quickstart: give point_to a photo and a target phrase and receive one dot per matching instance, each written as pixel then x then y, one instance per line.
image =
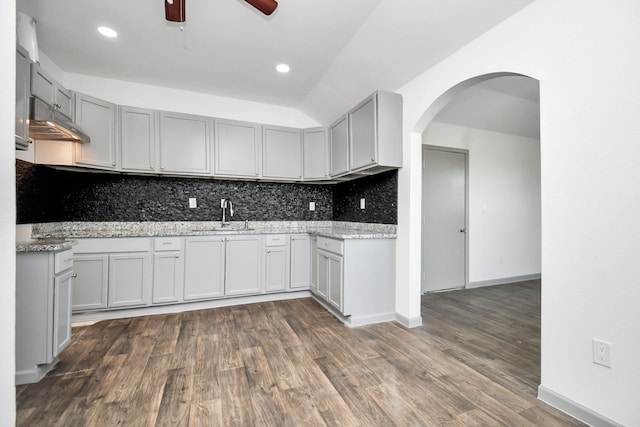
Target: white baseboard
pixel 354 322
pixel 80 319
pixel 414 322
pixel 574 409
pixel 503 280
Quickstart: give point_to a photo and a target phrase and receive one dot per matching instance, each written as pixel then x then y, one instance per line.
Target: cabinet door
pixel 315 153
pixel 244 274
pixel 137 138
pixel 22 98
pixel 90 283
pixel 300 262
pixel 322 288
pixel 61 312
pixel 168 273
pixel 339 147
pixel 185 144
pixel 334 293
pixel 204 267
pixel 276 268
pixel 313 285
pixel 362 134
pixel 281 153
pixel 42 84
pixel 64 101
pixel 236 149
pixel 98 119
pixel 129 279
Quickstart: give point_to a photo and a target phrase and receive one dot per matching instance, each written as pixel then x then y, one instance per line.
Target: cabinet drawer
pixel 331 245
pixel 112 244
pixel 276 240
pixel 167 244
pixel 62 261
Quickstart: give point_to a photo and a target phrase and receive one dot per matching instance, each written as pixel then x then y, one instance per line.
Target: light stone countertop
pixel 332 229
pixel 44 245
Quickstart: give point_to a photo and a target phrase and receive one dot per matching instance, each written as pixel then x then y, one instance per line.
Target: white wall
pixel 161 98
pixel 504 200
pixel 7 211
pixel 585 55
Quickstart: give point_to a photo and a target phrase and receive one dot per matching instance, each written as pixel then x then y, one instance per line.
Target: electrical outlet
pixel 192 203
pixel 312 206
pixel 602 353
pixel 362 203
pixel 222 203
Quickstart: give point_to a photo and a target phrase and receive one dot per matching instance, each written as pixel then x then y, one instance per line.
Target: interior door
pixel 444 197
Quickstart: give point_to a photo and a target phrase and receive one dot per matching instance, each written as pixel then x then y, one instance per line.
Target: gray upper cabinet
pixel 137 139
pixel 362 135
pixel 185 144
pixel 46 88
pixel 315 154
pixel 375 132
pixel 98 119
pixel 237 149
pixel 281 153
pixel 339 147
pixel 23 90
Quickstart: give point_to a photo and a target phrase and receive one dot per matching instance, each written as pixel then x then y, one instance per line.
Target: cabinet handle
pixel 113 164
pixel 177 255
pixel 74 275
pixel 268 251
pixel 150 166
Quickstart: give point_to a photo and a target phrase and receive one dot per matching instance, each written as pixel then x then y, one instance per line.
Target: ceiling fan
pixel 175 10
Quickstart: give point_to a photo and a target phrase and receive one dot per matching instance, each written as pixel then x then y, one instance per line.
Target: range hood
pixel 46 122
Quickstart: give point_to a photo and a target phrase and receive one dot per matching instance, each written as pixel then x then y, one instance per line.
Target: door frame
pixel 465 152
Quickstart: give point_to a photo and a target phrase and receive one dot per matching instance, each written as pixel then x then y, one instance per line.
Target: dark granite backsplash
pixel 50 195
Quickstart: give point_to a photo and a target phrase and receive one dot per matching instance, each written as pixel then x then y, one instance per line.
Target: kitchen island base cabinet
pixel 356 279
pixel 43 312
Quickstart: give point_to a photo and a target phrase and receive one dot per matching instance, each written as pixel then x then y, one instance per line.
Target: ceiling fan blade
pixel 175 10
pixel 265 6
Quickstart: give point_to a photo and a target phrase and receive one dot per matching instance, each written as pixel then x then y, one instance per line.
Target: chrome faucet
pixel 226 203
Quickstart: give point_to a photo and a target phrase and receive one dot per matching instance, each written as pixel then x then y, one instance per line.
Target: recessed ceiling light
pixel 108 32
pixel 283 68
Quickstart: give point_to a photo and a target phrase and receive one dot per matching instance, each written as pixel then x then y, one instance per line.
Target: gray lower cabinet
pixel 300 262
pixel 204 259
pixel 112 273
pixel 91 282
pixel 313 279
pixel 218 266
pixel 243 268
pixel 330 278
pixel 356 277
pixel 129 280
pixel 98 119
pixel 43 311
pixel 168 270
pixel 276 263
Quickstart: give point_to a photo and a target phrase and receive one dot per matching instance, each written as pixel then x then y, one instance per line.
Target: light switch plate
pixel 192 203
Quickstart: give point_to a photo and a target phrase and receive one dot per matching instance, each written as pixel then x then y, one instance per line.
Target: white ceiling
pixel 339 50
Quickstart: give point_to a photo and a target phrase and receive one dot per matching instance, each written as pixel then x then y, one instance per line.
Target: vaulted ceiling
pixel 339 50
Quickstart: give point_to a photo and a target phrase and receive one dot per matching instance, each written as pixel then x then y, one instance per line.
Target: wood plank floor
pixel 475 362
